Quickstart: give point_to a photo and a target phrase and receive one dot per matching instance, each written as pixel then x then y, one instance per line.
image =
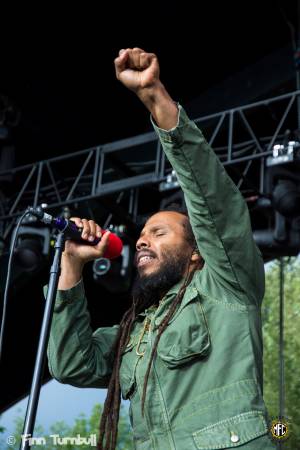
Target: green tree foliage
pixel 270 317
pixel 83 426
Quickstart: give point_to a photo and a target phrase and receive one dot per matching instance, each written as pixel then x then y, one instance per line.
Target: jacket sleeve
pixel 218 213
pixel 77 355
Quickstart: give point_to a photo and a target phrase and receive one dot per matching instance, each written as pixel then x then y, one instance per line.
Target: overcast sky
pixel 57 402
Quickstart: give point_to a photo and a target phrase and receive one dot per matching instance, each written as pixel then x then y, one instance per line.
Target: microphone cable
pixel 8 275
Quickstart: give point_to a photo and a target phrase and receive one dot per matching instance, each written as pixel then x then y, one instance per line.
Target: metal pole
pixel 281 344
pixel 42 347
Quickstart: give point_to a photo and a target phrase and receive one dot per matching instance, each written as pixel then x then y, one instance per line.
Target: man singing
pixel 188 353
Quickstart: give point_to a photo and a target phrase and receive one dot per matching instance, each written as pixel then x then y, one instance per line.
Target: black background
pixel 57 65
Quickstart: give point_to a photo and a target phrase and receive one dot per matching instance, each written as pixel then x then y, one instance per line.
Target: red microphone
pixel 115 246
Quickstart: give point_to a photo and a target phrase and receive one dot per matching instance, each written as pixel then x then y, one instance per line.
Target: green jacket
pixel 205 386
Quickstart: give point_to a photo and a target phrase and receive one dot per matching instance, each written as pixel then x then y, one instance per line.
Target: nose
pixel 142 242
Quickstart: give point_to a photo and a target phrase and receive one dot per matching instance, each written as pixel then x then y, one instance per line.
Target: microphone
pixel 115 245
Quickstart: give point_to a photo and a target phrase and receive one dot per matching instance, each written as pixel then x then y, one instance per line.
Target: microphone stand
pixel 42 347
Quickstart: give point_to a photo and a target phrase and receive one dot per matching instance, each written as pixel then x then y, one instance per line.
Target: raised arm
pixel 217 211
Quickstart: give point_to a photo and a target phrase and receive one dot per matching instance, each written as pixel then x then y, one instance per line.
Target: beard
pixel 149 289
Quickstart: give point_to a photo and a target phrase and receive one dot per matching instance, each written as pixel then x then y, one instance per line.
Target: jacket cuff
pixel 74 294
pixel 174 135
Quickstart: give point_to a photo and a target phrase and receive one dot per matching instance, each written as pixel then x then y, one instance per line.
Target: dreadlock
pixel 109 420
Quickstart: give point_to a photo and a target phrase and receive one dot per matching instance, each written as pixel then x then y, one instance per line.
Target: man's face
pixel 162 239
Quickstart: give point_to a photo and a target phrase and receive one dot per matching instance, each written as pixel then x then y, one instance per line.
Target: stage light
pixel 170 183
pixel 100 267
pixel 33 246
pixel 284 153
pixel 282 187
pixel 29 254
pixel 115 275
pixel 286 198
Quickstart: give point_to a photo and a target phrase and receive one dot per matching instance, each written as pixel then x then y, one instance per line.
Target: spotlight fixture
pixel 170 183
pixel 100 267
pixel 115 275
pixel 283 154
pixel 33 245
pixel 286 198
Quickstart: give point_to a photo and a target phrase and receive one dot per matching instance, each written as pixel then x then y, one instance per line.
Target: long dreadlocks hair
pixel 109 421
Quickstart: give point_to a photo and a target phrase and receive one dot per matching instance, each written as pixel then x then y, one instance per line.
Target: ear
pixel 196 256
pixel 196 261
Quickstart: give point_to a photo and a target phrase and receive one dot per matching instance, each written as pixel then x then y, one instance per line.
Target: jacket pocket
pixel 232 432
pixel 127 372
pixel 187 337
pixel 130 359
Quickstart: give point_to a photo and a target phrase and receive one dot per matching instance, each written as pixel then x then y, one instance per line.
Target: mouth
pixel 143 259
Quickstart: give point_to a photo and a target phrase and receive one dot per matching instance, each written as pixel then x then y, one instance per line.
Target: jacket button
pixel 234 437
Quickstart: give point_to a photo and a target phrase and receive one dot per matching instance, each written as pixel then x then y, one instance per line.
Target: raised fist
pixel 136 69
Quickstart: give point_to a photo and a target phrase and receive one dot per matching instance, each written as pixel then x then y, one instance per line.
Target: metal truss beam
pixel 239 137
